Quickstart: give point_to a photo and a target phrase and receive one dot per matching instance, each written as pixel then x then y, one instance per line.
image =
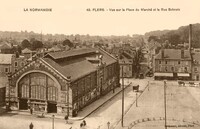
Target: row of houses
pixel 61 82
pixel 9 63
pixel 177 64
pixel 125 55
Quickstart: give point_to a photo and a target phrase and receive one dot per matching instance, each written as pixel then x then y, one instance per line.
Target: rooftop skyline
pixel 71 17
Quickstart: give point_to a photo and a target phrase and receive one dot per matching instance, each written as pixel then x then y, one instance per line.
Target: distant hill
pixel 156 33
pixel 178 36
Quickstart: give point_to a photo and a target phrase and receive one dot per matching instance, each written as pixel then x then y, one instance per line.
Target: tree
pixel 37 44
pixel 174 39
pixel 154 38
pixel 25 44
pixel 68 43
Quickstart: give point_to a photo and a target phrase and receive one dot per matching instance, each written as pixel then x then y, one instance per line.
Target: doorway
pixel 51 107
pixel 23 105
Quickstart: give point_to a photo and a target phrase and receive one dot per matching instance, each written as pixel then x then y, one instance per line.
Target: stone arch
pixel 38 71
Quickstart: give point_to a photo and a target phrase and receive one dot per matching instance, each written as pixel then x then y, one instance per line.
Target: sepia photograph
pixel 100 64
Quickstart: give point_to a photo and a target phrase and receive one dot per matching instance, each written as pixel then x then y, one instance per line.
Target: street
pixel 182 108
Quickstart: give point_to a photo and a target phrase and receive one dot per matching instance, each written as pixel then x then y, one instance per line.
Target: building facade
pixel 126 68
pixel 6 48
pixel 196 66
pixel 5 68
pixel 63 82
pixel 173 64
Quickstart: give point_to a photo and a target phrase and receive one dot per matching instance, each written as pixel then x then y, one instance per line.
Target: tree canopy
pixel 25 44
pixel 36 44
pixel 179 36
pixel 68 43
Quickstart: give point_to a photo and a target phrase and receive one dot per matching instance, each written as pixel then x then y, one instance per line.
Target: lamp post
pixel 165 104
pixel 136 99
pixel 53 121
pixel 122 122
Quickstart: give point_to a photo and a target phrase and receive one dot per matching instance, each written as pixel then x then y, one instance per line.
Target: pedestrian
pixel 84 123
pixel 66 118
pixel 81 125
pixel 31 126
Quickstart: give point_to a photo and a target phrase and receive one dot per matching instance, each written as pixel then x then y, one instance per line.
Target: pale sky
pixel 71 17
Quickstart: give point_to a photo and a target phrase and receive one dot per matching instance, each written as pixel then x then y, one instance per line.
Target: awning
pixel 164 74
pixel 183 74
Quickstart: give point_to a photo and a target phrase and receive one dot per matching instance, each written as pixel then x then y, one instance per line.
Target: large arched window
pixel 52 90
pixel 24 88
pixel 38 86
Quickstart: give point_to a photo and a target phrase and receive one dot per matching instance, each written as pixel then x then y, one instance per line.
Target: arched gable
pixel 42 72
pixel 42 67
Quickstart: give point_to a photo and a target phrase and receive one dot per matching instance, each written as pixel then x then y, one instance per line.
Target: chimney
pixel 182 53
pixel 190 36
pixel 162 53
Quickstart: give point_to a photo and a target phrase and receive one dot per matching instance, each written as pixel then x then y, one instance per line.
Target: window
pixel 195 69
pixel 6 70
pixel 179 62
pixel 16 64
pixel 159 61
pixel 22 64
pixel 186 70
pixel 172 68
pixel 24 91
pixel 165 69
pixel 165 62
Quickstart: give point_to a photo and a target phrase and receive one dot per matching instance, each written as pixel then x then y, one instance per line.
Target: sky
pixel 71 17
